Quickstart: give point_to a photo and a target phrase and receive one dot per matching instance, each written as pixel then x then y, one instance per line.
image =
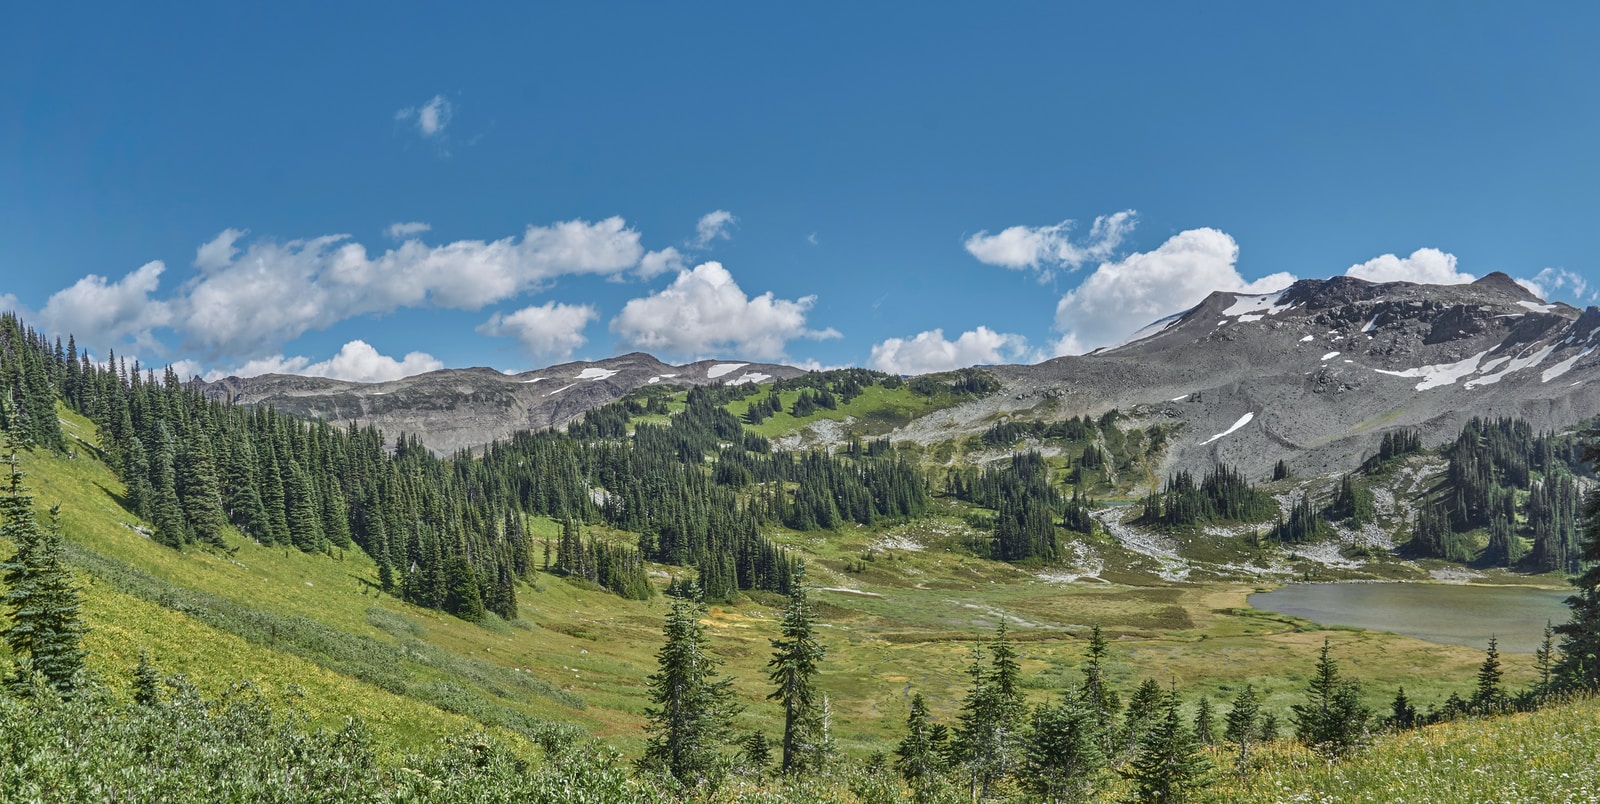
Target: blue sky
pixel 828 185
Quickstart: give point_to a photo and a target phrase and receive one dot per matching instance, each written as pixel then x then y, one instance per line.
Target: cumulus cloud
pixel 401 231
pixel 657 263
pixel 548 330
pixel 704 311
pixel 430 118
pixel 99 312
pixel 357 361
pixel 1119 297
pixel 713 226
pixel 1047 248
pixel 219 252
pixel 273 292
pixel 930 351
pixel 1551 281
pixel 1425 266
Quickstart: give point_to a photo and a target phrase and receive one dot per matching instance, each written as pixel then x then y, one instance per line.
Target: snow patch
pixel 1179 398
pixel 559 390
pixel 592 373
pixel 1564 366
pixel 1516 364
pixel 1243 420
pixel 1371 325
pixel 535 379
pixel 723 368
pixel 1439 375
pixel 1249 317
pixel 1537 307
pixel 1329 356
pixel 1308 338
pixel 1266 303
pixel 752 377
pixel 652 381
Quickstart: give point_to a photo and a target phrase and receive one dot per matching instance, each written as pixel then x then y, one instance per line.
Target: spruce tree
pixel 1332 720
pixel 793 671
pixel 1544 664
pixel 918 757
pixel 757 754
pixel 1579 665
pixel 1402 714
pixel 1488 695
pixel 1169 766
pixel 1144 708
pixel 146 681
pixel 691 708
pixel 1062 754
pixel 1243 725
pixel 46 633
pixel 1097 694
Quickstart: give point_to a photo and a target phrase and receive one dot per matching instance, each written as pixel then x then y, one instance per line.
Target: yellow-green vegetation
pixel 876 411
pixel 900 606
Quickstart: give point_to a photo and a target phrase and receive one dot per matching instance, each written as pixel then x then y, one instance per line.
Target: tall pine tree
pixel 793 671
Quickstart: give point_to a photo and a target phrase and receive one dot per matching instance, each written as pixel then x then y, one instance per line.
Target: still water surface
pixel 1453 614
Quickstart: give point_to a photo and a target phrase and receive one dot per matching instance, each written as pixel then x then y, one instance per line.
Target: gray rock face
pixel 1317 373
pixel 465 408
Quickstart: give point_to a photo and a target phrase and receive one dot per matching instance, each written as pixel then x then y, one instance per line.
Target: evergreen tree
pixel 691 708
pixel 1096 693
pixel 1332 720
pixel 1169 766
pixel 919 757
pixel 46 633
pixel 757 754
pixel 1062 754
pixel 1205 728
pixel 1544 660
pixel 1144 709
pixel 1488 695
pixel 146 681
pixel 1243 725
pixel 793 671
pixel 1579 666
pixel 1402 714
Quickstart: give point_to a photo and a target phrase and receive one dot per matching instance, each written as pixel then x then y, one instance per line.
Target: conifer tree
pixel 1332 720
pixel 757 753
pixel 1062 754
pixel 146 681
pixel 1097 694
pixel 918 758
pixel 1544 659
pixel 1169 766
pixel 1579 665
pixel 1205 729
pixel 793 671
pixel 1144 708
pixel 46 633
pixel 1488 695
pixel 691 708
pixel 1402 714
pixel 1243 726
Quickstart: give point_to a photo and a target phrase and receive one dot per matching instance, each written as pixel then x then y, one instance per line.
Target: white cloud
pixel 657 263
pixel 401 231
pixel 1120 297
pixel 274 292
pixel 431 117
pixel 1047 248
pixel 812 239
pixel 10 304
pixel 930 352
pixel 713 226
pixel 548 330
pixel 1425 266
pixel 99 313
pixel 1552 280
pixel 704 311
pixel 219 252
pixel 357 361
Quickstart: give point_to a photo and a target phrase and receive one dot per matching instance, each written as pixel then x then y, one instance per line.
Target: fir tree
pixel 1169 766
pixel 1402 714
pixel 691 708
pixel 793 671
pixel 46 633
pixel 146 681
pixel 1544 664
pixel 1243 725
pixel 1144 709
pixel 757 754
pixel 1096 693
pixel 1205 729
pixel 1579 665
pixel 1332 720
pixel 1062 754
pixel 1488 695
pixel 919 758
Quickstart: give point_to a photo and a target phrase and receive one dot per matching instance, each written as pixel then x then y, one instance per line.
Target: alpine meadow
pixel 716 403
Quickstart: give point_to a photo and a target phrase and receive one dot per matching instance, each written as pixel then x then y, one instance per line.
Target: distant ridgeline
pixel 450 533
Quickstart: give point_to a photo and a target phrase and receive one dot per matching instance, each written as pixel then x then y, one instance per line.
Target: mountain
pixel 454 409
pixel 1316 373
